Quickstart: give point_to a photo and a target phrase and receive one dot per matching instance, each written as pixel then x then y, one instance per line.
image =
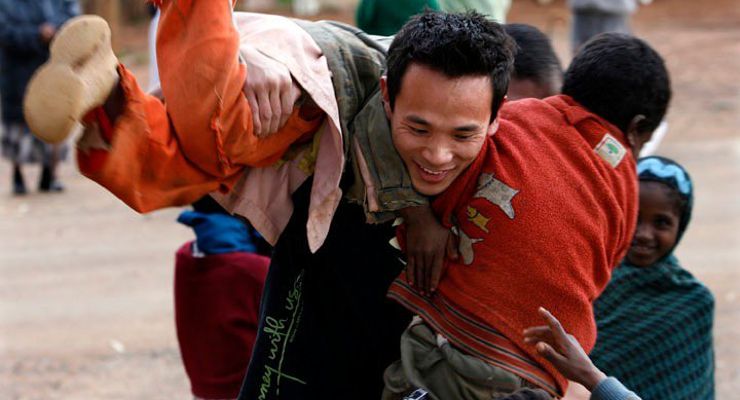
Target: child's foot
pixel 80 74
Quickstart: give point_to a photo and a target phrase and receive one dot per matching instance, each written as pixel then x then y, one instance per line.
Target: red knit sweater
pixel 544 214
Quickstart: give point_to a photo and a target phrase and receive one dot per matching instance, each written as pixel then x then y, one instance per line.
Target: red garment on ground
pixel 217 303
pixel 543 220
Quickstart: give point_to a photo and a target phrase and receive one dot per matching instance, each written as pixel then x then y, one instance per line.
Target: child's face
pixel 657 224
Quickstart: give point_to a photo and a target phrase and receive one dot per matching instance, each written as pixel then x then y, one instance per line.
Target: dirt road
pixel 86 283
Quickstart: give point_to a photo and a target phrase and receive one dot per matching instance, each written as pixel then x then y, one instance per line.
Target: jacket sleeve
pixel 612 389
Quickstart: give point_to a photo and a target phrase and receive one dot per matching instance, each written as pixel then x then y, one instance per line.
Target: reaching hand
pixel 427 244
pixel 563 351
pixel 270 91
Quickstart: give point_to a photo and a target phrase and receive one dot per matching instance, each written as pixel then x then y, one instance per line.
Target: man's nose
pixel 438 153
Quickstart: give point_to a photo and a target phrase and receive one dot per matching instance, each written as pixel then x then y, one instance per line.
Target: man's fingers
pixel 263 98
pixel 256 123
pixel 410 270
pixel 452 248
pixel 419 275
pixel 276 107
pixel 428 273
pixel 288 98
pixel 436 275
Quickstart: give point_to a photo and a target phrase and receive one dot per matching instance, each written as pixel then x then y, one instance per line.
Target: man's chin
pixel 428 189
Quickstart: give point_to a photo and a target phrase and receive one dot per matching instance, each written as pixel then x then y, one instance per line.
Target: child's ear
pixel 492 127
pixel 386 98
pixel 636 135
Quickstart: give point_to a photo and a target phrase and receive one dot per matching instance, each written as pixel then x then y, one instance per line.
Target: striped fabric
pixel 655 332
pixel 471 336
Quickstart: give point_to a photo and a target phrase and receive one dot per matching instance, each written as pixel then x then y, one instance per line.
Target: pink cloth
pixel 263 195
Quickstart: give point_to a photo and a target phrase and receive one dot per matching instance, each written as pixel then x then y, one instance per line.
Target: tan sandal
pixel 79 76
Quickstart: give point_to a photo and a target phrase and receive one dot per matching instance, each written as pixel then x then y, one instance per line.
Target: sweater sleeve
pixel 612 389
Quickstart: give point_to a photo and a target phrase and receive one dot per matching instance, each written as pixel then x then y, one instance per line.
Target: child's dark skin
pixel 657 224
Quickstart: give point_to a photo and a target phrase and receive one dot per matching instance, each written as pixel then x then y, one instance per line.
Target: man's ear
pixel 492 127
pixel 386 98
pixel 636 135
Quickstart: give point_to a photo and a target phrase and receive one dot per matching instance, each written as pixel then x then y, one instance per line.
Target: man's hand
pixel 427 244
pixel 563 351
pixel 47 32
pixel 270 91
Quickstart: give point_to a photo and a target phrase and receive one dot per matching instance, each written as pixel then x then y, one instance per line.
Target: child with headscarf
pixel 655 319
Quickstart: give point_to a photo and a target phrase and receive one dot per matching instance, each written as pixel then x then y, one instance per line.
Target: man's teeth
pixel 429 171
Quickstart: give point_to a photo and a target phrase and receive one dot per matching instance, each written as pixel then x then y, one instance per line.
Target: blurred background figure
pixel 537 69
pixel 26 29
pixel 386 17
pixel 592 17
pixel 219 279
pixel 306 8
pixel 494 9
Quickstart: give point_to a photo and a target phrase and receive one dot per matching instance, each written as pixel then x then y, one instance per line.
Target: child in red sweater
pixel 543 211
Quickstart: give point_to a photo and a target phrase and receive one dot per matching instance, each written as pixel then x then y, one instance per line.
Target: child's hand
pixel 427 244
pixel 270 91
pixel 563 351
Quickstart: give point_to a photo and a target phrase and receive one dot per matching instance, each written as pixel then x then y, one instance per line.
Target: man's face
pixel 439 124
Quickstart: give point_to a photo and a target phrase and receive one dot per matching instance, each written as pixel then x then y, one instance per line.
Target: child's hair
pixel 455 45
pixel 535 58
pixel 618 77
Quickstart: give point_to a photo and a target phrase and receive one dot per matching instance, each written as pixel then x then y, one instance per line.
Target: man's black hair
pixel 535 58
pixel 618 77
pixel 456 45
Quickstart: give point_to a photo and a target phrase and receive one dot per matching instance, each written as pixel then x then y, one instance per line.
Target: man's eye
pixel 463 136
pixel 419 131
